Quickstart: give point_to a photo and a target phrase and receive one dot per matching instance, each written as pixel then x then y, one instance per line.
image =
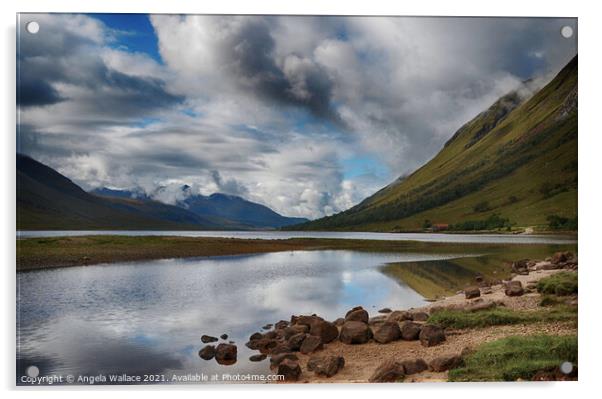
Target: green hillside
pixel 513 165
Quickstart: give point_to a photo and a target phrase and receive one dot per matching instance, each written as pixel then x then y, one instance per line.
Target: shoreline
pixel 363 359
pixel 70 251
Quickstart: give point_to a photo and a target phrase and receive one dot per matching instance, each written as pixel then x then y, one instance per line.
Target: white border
pixel 590 194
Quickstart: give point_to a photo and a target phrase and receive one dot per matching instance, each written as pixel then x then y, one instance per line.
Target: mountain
pixel 237 209
pixel 47 200
pixel 515 164
pixel 229 210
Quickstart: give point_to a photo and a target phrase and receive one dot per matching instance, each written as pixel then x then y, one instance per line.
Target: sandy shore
pixel 362 360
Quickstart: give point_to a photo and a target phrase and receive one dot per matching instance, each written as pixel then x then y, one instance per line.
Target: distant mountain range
pixel 515 164
pixel 47 200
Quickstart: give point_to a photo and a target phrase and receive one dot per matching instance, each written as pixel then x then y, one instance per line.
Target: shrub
pixel 556 222
pixel 481 207
pixel 563 283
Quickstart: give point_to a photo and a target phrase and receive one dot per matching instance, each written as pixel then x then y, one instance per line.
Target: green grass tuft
pixel 500 316
pixel 513 358
pixel 563 283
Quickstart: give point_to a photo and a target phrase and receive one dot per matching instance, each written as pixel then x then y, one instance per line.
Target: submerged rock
pixel 258 358
pixel 226 354
pixel 207 353
pixel 208 338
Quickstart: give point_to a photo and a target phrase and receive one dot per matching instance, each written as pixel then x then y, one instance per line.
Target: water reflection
pixel 147 317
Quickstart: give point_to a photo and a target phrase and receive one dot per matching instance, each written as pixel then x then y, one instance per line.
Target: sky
pixel 307 115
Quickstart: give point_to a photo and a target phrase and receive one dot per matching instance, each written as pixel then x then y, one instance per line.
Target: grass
pixel 561 284
pixel 500 316
pixel 37 253
pixel 513 358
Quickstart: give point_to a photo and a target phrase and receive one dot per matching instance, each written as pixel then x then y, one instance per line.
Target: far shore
pixel 54 252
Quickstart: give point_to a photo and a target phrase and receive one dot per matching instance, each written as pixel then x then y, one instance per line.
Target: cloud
pixel 271 108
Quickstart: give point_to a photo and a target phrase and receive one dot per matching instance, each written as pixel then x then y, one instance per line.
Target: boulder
pixel 281 324
pixel 478 278
pixel 290 370
pixel 208 338
pixel 472 292
pixel 295 341
pixel 281 347
pixel 355 332
pixel 267 326
pixel 561 257
pixel 399 315
pixel 431 335
pixel 308 320
pixel 385 310
pixel 226 354
pixel 326 366
pixel 255 336
pixel 514 288
pixel 480 305
pixel 377 320
pixel 389 371
pixel 357 314
pixel 520 266
pixel 294 330
pixel 339 322
pixel 264 344
pixel 444 363
pixel 387 332
pixel 327 331
pixel 258 358
pixel 271 335
pixel 207 353
pixel 410 331
pixel 279 358
pixel 224 336
pixel 310 344
pixel 419 316
pixel 414 366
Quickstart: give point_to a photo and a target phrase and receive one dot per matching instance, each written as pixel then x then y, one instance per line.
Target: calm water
pixel 272 235
pixel 147 317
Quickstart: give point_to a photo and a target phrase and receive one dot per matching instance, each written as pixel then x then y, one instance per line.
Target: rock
pixel 267 326
pixel 255 336
pixel 224 336
pixel 472 292
pixel 207 353
pixel 444 363
pixel 478 278
pixel 279 358
pixel 514 288
pixel 410 331
pixel 487 291
pixel 387 332
pixel 399 315
pixel 389 371
pixel 327 331
pixel 281 347
pixel 310 344
pixel 385 310
pixel 561 257
pixel 355 332
pixel 264 344
pixel 431 335
pixel 290 369
pixel 339 322
pixel 308 320
pixel 226 354
pixel 258 358
pixel 295 341
pixel 281 324
pixel 294 330
pixel 520 266
pixel 271 335
pixel 414 366
pixel 419 316
pixel 357 314
pixel 208 338
pixel 326 366
pixel 377 320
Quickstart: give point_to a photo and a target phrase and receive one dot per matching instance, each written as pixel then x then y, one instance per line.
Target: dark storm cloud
pixel 36 92
pixel 249 52
pixel 58 57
